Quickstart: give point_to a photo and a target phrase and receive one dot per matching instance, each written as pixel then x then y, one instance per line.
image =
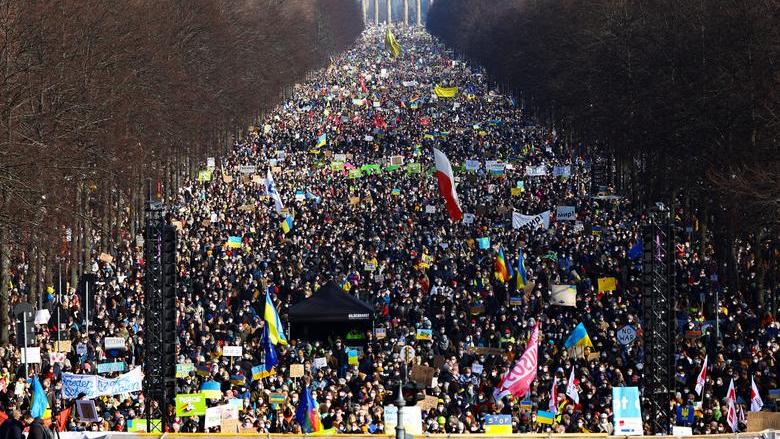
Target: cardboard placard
pixel 63 346
pixel 354 201
pixel 247 208
pixel 422 375
pixel 296 370
pixel 480 350
pixel 760 421
pixel 229 425
pixel 227 178
pixel 430 402
pixel 105 257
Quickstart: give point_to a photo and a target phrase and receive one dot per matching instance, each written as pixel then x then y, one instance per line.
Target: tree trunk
pixel 5 278
pixel 75 241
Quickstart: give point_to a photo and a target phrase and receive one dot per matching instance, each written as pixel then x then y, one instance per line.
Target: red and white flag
pixel 702 377
pixel 755 398
pixel 571 388
pixel 731 394
pixel 447 184
pixel 519 379
pixel 731 417
pixel 553 405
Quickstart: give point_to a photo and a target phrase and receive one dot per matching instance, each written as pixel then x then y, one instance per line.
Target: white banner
pixel 412 417
pixel 211 163
pixel 114 342
pixel 31 355
pixel 563 295
pixel 248 169
pixel 93 386
pixel 536 171
pixel 409 83
pixel 531 221
pixel 565 213
pixel 232 351
pixel 213 416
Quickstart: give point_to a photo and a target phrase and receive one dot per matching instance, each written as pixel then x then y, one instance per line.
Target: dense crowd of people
pixel 385 237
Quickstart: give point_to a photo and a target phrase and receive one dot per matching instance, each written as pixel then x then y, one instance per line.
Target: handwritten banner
pixel 93 386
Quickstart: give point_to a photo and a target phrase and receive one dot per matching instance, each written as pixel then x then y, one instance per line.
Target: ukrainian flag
pixel 522 276
pixel 287 224
pixel 234 242
pixel 39 403
pixel 275 329
pixel 392 44
pixel 445 92
pixel 578 337
pixel 503 271
pixel 544 417
pixel 321 141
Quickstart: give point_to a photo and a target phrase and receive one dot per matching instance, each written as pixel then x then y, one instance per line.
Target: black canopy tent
pixel 329 312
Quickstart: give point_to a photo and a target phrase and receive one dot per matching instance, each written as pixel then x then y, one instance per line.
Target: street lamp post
pixel 400 433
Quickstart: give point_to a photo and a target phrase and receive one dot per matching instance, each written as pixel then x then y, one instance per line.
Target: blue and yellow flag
pixel 522 276
pixel 322 140
pixel 287 224
pixel 578 337
pixel 39 402
pixel 391 44
pixel 445 92
pixel 275 328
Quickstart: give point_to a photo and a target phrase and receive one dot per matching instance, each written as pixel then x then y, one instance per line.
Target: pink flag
pixel 553 405
pixel 519 379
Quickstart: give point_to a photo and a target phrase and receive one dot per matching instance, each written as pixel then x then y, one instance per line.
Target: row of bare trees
pixel 98 97
pixel 683 95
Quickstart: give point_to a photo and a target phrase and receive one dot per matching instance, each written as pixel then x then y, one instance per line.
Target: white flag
pixel 531 221
pixel 270 188
pixel 702 377
pixel 571 388
pixel 755 398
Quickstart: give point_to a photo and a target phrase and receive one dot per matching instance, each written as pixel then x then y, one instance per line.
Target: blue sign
pixel 116 366
pixel 627 410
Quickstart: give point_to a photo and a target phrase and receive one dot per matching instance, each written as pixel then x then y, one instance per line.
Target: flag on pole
pixel 447 185
pixel 275 328
pixel 287 224
pixel 270 189
pixel 571 388
pixel 39 402
pixel 392 44
pixel 731 417
pixel 503 271
pixel 553 404
pixel 307 414
pixel 522 275
pixel 702 378
pixel 578 337
pixel 322 140
pixel 755 398
pixel 519 379
pixel 731 394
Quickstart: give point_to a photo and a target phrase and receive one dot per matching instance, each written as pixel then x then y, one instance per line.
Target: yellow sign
pixel 607 284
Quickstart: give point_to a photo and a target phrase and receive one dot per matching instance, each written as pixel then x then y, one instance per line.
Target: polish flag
pixel 571 388
pixel 731 394
pixel 755 398
pixel 519 379
pixel 447 185
pixel 702 377
pixel 731 417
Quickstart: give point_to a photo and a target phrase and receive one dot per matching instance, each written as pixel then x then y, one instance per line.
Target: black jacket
pixel 11 429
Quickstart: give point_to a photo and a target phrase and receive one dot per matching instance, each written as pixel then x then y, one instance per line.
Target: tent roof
pixel 330 304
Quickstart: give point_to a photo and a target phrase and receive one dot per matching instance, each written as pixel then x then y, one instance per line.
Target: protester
pixel 387 238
